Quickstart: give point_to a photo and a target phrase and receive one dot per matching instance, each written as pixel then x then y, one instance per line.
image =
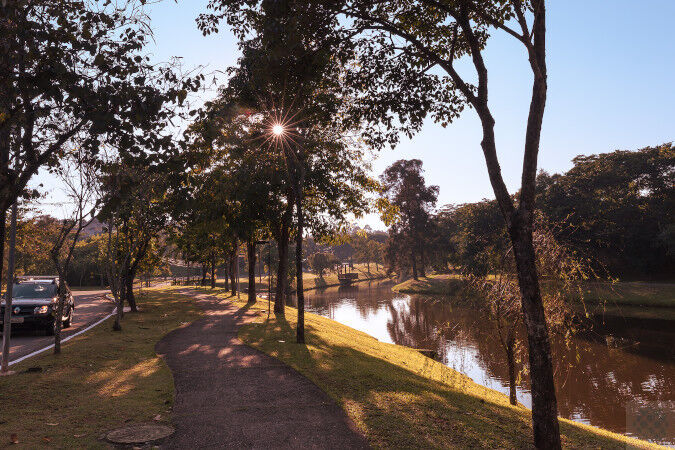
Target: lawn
pixel 400 398
pixel 101 381
pixel 440 284
pixel 631 293
pixel 312 280
pixel 622 293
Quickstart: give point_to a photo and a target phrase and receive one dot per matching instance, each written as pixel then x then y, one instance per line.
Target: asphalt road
pixel 90 306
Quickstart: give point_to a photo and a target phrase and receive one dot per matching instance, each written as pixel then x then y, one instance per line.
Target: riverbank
pixel 312 280
pixel 438 284
pixel 330 279
pixel 631 293
pixel 621 293
pixel 101 381
pixel 400 398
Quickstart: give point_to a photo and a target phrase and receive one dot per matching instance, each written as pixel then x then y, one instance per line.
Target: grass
pixel 441 284
pixel 632 293
pixel 399 398
pixel 622 293
pixel 102 380
pixel 314 281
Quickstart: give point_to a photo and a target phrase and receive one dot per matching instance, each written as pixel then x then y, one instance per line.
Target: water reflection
pixel 598 374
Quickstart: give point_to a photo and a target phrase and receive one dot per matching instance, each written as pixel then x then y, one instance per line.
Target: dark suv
pixel 34 303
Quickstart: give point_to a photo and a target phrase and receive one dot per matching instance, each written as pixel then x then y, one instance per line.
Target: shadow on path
pixel 230 395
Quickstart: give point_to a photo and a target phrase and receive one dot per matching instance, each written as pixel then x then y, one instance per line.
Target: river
pixel 602 375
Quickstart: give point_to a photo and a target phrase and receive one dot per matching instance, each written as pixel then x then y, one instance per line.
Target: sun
pixel 278 129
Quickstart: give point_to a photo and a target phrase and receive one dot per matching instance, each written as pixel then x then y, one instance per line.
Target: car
pixel 35 302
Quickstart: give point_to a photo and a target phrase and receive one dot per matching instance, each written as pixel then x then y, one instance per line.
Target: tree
pixel 289 73
pixel 135 207
pixel 618 206
pixel 405 188
pixel 81 181
pixel 320 262
pixel 397 45
pixel 499 294
pixel 75 69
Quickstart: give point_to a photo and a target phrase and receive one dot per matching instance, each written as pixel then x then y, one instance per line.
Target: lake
pixel 621 364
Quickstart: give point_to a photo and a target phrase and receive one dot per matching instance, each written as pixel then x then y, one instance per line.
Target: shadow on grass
pixel 100 381
pixel 394 405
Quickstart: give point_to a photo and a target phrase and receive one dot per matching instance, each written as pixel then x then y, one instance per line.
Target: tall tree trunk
pixel 282 272
pixel 282 269
pixel 3 227
pixel 226 268
pixel 413 263
pixel 544 403
pixel 423 273
pixel 204 272
pixel 300 294
pixel 7 319
pixel 250 249
pixel 131 297
pixel 60 306
pixel 233 263
pixel 213 271
pixel 117 325
pixel 511 360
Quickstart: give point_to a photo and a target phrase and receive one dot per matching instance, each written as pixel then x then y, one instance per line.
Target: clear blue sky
pixel 611 86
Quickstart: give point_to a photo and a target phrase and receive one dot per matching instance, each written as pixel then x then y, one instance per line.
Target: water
pixel 620 365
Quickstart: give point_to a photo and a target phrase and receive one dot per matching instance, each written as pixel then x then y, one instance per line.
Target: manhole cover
pixel 140 433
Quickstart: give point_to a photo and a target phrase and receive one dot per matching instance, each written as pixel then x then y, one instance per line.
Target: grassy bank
pixel 632 293
pixel 441 284
pixel 314 281
pixel 399 398
pixel 622 293
pixel 102 380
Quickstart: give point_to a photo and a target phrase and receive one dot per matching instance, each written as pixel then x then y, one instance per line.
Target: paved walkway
pixel 230 395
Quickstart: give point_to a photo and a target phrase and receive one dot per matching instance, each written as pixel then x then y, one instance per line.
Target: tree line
pixel 613 209
pixel 279 151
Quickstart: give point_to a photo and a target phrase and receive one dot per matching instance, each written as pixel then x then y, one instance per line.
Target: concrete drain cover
pixel 139 433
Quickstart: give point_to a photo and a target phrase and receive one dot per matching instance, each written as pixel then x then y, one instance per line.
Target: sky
pixel 611 85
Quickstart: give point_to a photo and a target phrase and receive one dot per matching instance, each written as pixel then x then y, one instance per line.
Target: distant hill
pixel 94 228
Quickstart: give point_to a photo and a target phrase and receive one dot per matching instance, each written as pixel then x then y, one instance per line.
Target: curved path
pixel 231 395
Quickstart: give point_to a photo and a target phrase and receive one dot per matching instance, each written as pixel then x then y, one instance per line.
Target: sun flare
pixel 278 129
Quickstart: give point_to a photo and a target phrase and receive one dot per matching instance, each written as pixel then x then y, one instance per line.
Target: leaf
pixel 14 438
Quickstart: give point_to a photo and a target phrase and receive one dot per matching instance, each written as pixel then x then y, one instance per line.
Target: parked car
pixel 35 301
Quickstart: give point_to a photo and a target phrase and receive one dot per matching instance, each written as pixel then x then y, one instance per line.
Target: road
pixel 90 306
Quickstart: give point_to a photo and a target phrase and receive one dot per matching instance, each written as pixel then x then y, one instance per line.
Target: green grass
pixel 102 380
pixel 314 281
pixel 441 284
pixel 401 399
pixel 631 293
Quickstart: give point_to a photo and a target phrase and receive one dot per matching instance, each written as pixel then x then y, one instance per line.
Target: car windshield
pixel 34 290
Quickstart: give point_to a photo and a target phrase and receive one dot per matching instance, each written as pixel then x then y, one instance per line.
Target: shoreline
pixel 335 355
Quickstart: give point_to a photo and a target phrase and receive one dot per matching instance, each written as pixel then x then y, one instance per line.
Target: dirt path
pixel 230 395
